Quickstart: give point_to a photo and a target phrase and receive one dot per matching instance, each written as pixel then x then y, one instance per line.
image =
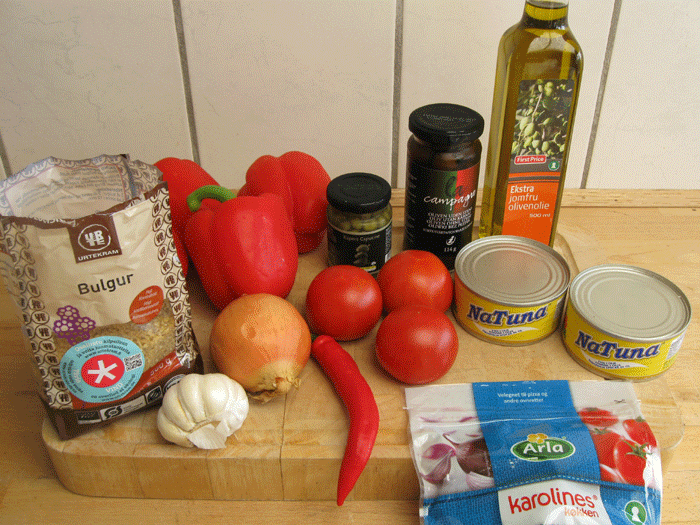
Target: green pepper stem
pixel 211 191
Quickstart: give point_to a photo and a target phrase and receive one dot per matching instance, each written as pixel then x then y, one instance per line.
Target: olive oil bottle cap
pixel 358 193
pixel 445 125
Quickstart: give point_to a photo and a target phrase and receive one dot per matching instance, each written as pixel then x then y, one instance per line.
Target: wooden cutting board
pixel 291 448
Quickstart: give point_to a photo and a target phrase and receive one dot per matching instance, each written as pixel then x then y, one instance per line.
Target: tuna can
pixel 624 322
pixel 509 290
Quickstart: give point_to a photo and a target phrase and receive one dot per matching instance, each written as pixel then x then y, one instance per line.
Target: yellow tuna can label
pixel 624 322
pixel 509 290
pixel 506 325
pixel 616 358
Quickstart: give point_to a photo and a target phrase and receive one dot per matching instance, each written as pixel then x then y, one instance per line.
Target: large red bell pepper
pixel 241 245
pixel 301 181
pixel 183 177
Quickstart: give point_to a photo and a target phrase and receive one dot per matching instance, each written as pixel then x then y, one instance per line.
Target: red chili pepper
pixel 183 177
pixel 301 181
pixel 359 401
pixel 242 245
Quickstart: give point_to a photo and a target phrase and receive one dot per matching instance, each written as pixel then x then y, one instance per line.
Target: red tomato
pixel 598 417
pixel 416 344
pixel 639 430
pixel 415 277
pixel 344 302
pixel 604 442
pixel 630 460
pixel 609 474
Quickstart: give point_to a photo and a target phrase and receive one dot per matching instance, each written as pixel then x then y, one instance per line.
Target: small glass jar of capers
pixel 359 221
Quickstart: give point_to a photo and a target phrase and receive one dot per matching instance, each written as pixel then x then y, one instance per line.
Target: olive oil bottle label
pixel 540 139
pixel 440 210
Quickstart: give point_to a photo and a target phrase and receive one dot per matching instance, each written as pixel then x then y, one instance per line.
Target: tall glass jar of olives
pixel 441 179
pixel 359 221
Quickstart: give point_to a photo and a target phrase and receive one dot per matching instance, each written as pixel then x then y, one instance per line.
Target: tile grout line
pixel 396 109
pixel 4 161
pixel 189 105
pixel 601 92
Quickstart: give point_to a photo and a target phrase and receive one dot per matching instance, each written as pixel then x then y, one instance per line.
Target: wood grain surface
pixel 291 447
pixel 287 435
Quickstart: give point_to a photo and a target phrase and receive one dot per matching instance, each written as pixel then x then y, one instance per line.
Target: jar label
pixel 614 357
pixel 366 250
pixel 440 210
pixel 540 139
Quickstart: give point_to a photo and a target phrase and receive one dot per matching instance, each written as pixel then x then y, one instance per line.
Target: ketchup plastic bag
pixel 550 452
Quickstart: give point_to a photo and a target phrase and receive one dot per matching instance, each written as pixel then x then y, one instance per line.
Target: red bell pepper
pixel 183 177
pixel 300 180
pixel 241 245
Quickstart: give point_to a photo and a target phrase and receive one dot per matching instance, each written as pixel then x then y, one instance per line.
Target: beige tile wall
pixel 649 130
pixel 334 78
pixel 82 78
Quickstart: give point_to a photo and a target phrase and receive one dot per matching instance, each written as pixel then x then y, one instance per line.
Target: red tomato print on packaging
pixel 639 430
pixel 598 417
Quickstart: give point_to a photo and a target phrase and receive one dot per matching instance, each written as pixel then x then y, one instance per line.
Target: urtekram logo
pixel 95 237
pixel 541 447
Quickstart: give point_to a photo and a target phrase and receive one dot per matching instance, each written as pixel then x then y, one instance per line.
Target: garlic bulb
pixel 202 411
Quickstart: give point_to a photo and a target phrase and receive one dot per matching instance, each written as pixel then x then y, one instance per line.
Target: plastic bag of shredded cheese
pixel 549 452
pixel 89 259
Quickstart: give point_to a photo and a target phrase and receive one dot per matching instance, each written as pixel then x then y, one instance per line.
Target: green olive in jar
pixel 359 219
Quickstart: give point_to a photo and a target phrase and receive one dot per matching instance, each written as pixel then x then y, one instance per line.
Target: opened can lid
pixel 630 302
pixel 512 271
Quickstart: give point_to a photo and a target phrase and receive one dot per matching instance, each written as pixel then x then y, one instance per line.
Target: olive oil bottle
pixel 538 75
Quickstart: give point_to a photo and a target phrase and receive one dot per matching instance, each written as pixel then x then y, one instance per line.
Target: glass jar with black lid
pixel 359 221
pixel 442 176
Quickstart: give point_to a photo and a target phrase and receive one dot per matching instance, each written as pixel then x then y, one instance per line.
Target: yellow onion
pixel 262 342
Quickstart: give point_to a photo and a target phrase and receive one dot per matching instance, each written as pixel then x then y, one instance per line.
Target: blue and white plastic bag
pixel 534 452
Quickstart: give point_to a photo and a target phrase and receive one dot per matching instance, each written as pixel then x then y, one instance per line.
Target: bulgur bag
pixel 88 257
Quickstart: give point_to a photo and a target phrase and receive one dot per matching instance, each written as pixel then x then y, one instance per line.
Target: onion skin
pixel 262 342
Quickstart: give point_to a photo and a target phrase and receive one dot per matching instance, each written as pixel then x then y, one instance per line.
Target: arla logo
pixel 541 447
